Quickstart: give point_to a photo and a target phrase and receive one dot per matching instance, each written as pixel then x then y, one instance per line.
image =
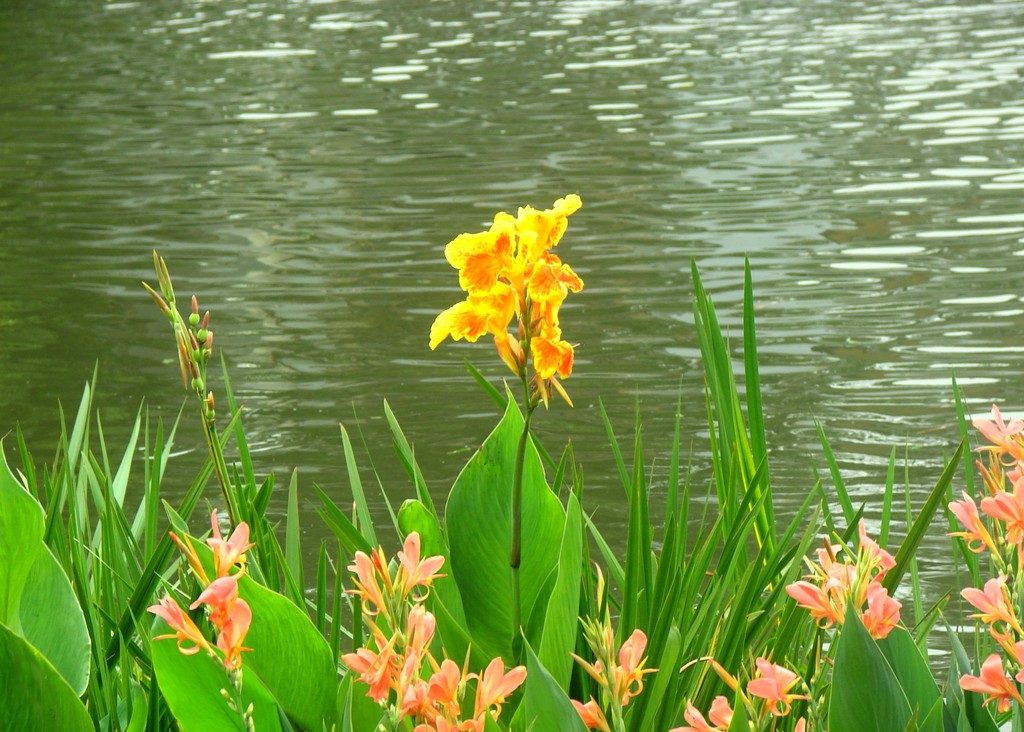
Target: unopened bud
pixel 511 353
pixel 202 334
pixel 195 306
pixel 209 401
pixel 209 341
pixel 198 385
pixel 206 320
pixel 193 319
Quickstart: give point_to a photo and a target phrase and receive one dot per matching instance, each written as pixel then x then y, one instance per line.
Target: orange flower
pixel 629 673
pixel 1008 507
pixel 412 572
pixel 883 613
pixel 773 683
pixel 232 633
pixel 593 717
pixel 375 669
pixel 826 607
pixel 184 629
pixel 495 685
pixel 227 553
pixel 976 535
pixel 994 683
pixel 220 596
pixel 994 604
pixel 1005 438
pixel 720 716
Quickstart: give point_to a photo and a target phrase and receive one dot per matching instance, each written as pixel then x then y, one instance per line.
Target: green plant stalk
pixel 515 556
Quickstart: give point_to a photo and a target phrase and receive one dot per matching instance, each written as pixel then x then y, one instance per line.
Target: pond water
pixel 301 166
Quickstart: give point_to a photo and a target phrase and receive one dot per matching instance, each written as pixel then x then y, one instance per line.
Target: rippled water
pixel 302 164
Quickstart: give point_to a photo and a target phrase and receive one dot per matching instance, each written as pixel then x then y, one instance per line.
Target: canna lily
pixel 629 673
pixel 413 572
pixel 509 271
pixel 1000 434
pixel 994 604
pixel 976 535
pixel 232 633
pixel 375 669
pixel 227 553
pixel 773 683
pixel 220 596
pixel 445 687
pixel 994 683
pixel 826 607
pixel 495 685
pixel 1008 507
pixel 591 714
pixel 720 716
pixel 883 613
pixel 185 631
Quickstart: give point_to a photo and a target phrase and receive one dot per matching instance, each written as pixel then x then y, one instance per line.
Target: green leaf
pixel 192 685
pixel 558 637
pixel 478 519
pixel 36 597
pixel 866 694
pixel 21 539
pixel 547 707
pixel 914 675
pixel 33 695
pixel 289 656
pixel 56 625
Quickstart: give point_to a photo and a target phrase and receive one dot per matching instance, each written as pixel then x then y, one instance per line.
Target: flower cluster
pixel 618 676
pixel 1003 538
pixel 398 666
pixel 228 613
pixel 772 684
pixel 509 272
pixel 833 585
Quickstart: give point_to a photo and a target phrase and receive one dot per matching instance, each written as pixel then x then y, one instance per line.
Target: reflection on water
pixel 302 164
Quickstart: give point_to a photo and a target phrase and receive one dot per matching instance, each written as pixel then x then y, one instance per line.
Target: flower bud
pixel 202 334
pixel 193 319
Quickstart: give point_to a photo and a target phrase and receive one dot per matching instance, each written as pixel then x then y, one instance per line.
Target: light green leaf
pixel 56 625
pixel 548 709
pixel 558 637
pixel 36 597
pixel 192 685
pixel 33 695
pixel 21 539
pixel 866 694
pixel 478 519
pixel 915 677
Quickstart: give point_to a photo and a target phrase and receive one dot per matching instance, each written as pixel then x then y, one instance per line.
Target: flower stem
pixel 516 550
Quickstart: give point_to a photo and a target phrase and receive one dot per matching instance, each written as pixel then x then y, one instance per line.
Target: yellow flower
pixel 506 272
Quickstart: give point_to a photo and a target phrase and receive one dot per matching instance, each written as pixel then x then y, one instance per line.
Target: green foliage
pixel 36 597
pixel 478 522
pixel 33 695
pixel 78 570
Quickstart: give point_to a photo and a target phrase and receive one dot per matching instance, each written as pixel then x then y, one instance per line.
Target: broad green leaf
pixel 547 707
pixel 558 637
pixel 33 696
pixel 290 657
pixel 478 519
pixel 911 668
pixel 192 686
pixel 55 625
pixel 21 539
pixel 36 597
pixel 866 694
